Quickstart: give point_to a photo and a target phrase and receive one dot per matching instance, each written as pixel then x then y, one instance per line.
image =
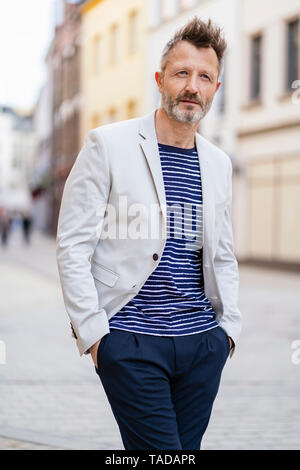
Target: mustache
pixel 190 98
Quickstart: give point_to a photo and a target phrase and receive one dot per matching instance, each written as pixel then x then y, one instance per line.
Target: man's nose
pixel 192 85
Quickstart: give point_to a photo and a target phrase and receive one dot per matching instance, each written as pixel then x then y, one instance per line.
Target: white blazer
pixel 100 275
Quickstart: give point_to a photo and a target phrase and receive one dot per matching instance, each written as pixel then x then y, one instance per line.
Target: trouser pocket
pixel 225 337
pixel 222 337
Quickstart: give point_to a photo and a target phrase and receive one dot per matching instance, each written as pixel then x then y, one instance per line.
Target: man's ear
pixel 159 79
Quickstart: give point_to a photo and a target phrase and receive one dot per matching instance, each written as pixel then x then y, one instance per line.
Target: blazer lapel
pixel 149 146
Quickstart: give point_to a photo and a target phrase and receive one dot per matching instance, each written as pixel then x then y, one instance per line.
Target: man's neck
pixel 171 132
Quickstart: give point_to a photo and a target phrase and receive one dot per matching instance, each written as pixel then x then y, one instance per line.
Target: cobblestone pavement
pixel 50 397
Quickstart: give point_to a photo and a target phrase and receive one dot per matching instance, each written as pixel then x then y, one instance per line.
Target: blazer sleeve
pixel 226 269
pixel 81 216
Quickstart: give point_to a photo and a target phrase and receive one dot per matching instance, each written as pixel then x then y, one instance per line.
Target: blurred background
pixel 70 66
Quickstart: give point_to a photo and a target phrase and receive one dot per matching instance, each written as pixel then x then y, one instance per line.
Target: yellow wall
pixel 114 91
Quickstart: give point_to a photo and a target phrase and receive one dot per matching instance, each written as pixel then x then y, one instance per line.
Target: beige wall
pixel 274 208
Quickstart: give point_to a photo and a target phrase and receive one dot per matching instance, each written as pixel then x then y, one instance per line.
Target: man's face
pixel 189 82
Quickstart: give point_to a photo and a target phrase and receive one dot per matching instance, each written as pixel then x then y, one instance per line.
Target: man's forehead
pixel 184 52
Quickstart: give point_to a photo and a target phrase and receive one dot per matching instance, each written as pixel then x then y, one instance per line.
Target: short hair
pixel 200 34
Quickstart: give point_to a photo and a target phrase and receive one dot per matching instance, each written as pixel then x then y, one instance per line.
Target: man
pixel 158 314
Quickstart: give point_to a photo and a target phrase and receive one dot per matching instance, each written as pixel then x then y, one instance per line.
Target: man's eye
pixel 205 76
pixel 182 72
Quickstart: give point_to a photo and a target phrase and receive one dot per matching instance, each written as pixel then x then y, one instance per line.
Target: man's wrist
pixel 94 346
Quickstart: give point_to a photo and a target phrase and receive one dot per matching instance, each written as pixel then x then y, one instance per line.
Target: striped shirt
pixel 172 301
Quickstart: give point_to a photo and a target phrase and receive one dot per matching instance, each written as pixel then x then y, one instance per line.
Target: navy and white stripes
pixel 172 301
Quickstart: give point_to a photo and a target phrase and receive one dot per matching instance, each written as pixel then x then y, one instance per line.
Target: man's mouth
pixel 189 102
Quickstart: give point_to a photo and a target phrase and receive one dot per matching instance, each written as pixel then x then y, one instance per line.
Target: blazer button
pixel 155 256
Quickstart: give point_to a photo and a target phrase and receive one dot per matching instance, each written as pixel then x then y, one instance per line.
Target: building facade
pixel 113 61
pixel 267 189
pixel 64 59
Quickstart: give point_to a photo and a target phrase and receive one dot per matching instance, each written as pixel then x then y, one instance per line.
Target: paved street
pixel 50 397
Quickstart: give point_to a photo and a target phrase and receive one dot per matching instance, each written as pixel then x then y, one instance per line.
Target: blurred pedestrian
pixel 27 226
pixel 5 224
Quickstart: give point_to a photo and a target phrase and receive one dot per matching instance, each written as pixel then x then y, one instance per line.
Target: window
pixel 170 8
pixel 293 52
pixel 256 52
pixel 133 32
pixel 57 85
pixel 113 56
pixel 154 13
pixel 96 56
pixel 167 9
pixel 177 7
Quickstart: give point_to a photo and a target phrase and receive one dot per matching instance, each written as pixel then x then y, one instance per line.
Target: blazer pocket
pixel 103 274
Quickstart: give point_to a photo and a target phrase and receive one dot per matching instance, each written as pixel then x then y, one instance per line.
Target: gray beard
pixel 187 116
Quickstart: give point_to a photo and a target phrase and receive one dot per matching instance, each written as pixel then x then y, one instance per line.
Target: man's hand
pixel 230 342
pixel 93 351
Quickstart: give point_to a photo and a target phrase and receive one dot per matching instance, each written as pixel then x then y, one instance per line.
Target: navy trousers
pixel 161 389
